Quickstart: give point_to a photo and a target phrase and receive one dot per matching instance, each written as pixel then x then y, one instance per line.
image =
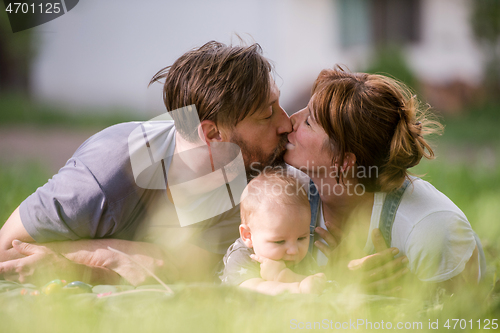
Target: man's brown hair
pixel 224 83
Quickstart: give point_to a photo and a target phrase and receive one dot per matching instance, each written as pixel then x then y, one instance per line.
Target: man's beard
pixel 255 160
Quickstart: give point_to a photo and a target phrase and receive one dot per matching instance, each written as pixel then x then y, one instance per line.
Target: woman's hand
pixel 332 236
pixel 378 273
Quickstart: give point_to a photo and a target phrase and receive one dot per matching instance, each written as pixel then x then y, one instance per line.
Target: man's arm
pixel 83 258
pixel 103 264
pixel 11 230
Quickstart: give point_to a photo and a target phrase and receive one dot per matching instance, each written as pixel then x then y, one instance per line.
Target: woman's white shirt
pixel 428 228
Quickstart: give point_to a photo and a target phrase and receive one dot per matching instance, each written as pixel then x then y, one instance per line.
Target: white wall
pixel 104 52
pixel 448 50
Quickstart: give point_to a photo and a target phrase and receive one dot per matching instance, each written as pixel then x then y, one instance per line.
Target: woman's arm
pixel 442 249
pixel 468 277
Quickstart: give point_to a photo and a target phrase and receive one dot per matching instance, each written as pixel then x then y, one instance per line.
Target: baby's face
pixel 281 232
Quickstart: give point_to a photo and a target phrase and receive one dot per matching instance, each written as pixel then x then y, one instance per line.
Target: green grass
pixel 477 126
pixel 18 182
pixel 208 308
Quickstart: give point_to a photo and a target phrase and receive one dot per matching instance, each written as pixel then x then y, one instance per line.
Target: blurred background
pixel 69 78
pixel 102 54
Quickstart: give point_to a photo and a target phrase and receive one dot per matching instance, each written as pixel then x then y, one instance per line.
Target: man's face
pixel 262 137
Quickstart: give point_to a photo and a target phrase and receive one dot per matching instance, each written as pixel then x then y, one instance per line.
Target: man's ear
pixel 246 235
pixel 208 132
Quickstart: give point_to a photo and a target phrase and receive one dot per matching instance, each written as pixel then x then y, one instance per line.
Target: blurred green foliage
pixel 20 109
pixel 485 21
pixel 18 182
pixel 390 60
pixel 479 125
pixel 16 52
pixel 205 308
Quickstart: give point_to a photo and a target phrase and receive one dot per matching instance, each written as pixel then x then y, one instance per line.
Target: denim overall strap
pixel 314 201
pixel 389 209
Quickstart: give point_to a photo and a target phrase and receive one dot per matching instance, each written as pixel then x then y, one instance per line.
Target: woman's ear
pixel 208 132
pixel 349 161
pixel 246 235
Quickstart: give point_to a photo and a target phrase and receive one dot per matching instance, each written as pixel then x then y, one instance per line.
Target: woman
pixel 356 140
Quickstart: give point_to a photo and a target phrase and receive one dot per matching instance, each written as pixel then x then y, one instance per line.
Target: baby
pixel 274 232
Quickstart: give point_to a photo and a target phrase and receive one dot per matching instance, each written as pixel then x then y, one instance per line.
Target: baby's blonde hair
pixel 272 186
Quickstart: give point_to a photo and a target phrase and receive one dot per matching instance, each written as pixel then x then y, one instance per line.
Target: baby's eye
pixel 302 238
pixel 281 242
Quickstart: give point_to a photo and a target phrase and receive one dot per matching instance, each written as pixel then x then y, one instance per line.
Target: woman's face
pixel 306 149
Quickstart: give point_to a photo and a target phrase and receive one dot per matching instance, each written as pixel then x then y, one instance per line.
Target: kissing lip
pixel 290 138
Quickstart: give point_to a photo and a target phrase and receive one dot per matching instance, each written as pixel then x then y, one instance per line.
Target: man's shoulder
pixel 107 154
pixel 119 134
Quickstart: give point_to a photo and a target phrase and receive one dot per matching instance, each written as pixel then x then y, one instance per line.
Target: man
pixel 95 200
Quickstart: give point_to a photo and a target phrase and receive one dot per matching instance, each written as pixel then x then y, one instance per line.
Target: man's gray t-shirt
pixel 95 194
